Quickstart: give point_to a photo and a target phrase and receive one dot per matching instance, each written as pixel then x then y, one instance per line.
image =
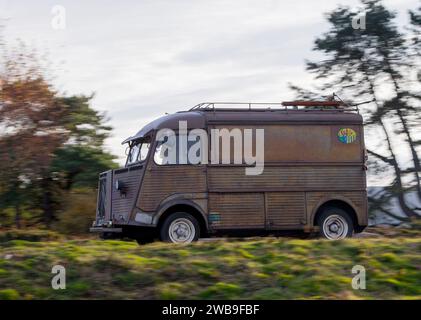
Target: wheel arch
pixel 338 202
pixel 182 206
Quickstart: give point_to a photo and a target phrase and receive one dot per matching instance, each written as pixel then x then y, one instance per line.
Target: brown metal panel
pixel 287 178
pixel 159 182
pixel 303 143
pixel 285 209
pixel 123 202
pixel 237 210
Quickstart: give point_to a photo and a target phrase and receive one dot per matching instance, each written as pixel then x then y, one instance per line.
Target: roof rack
pixel 329 104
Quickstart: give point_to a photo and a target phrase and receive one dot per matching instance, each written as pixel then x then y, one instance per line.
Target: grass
pixel 266 268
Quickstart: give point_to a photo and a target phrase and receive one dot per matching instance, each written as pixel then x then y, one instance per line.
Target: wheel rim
pixel 182 230
pixel 335 227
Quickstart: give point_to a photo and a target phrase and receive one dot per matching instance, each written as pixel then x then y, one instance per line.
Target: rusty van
pixel 313 176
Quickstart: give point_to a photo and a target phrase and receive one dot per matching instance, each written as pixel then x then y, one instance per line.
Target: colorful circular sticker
pixel 347 135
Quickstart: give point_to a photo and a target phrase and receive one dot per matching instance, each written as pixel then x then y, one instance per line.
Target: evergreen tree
pixel 362 62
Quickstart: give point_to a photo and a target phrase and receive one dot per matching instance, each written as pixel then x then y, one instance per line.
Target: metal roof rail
pixel 275 106
pixel 246 105
pixel 333 102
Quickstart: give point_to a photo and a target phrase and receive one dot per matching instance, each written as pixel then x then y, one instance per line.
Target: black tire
pixel 335 223
pixel 108 236
pixel 189 232
pixel 143 235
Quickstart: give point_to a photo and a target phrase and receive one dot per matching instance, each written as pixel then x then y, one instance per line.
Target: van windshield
pixel 138 152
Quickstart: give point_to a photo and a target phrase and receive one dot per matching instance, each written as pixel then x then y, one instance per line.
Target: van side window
pixel 179 149
pixel 138 152
pixel 143 152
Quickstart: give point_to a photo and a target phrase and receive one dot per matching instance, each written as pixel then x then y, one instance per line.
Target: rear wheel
pixel 335 224
pixel 180 227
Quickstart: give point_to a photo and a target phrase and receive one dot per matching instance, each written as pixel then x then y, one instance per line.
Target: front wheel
pixel 180 227
pixel 335 224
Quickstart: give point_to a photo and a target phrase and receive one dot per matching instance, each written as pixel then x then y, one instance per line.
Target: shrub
pixel 78 213
pixel 29 235
pixel 9 294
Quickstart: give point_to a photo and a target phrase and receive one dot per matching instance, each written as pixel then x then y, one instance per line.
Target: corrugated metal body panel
pixel 285 209
pixel 122 203
pixel 161 181
pixel 237 210
pixel 287 178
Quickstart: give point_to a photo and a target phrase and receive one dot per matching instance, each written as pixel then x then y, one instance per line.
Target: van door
pixel 163 180
pixel 233 203
pixel 236 210
pixel 285 210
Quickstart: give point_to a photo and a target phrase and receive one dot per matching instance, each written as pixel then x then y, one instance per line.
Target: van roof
pixel 199 118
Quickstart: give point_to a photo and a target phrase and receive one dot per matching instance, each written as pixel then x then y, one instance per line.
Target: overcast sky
pixel 144 58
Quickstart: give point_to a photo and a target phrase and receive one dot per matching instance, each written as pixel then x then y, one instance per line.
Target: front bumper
pixel 105 229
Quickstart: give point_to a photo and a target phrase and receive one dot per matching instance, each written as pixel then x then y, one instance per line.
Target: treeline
pixel 51 148
pixel 379 63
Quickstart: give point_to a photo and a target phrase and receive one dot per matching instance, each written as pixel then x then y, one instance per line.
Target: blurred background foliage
pixel 51 149
pixel 78 212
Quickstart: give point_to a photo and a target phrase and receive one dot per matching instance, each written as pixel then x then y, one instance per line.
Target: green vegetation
pixel 29 235
pixel 51 155
pixel 262 269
